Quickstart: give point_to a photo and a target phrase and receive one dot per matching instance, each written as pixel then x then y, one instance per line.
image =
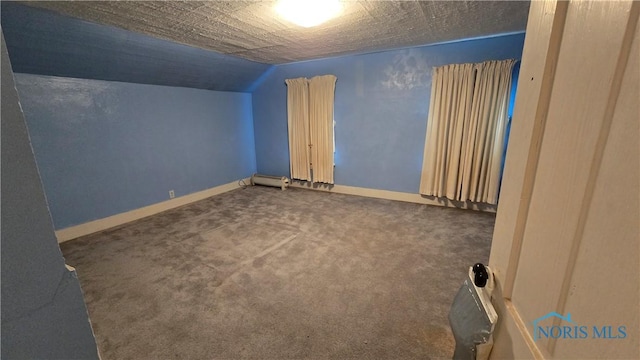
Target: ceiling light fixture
pixel 308 13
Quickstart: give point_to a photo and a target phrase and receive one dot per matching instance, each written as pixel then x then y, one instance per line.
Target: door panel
pixel 569 242
pixel 579 99
pixel 607 257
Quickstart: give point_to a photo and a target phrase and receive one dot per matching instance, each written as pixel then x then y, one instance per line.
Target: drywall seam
pixel 394 195
pixel 91 227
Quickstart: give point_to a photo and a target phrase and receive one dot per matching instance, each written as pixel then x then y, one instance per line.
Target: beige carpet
pixel 262 273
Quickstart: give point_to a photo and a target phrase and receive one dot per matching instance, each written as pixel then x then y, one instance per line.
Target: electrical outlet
pixel 171 194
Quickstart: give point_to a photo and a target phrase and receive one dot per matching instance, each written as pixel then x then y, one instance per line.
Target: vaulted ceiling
pixel 225 45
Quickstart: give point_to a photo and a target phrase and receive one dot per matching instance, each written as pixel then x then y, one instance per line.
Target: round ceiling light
pixel 308 13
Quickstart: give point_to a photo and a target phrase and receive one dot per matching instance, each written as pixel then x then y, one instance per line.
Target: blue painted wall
pixel 46 43
pixel 381 108
pixel 104 148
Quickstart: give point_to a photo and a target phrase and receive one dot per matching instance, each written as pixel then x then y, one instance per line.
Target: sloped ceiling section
pixel 43 42
pixel 253 30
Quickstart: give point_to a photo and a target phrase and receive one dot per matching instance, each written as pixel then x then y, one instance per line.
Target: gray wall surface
pixel 43 311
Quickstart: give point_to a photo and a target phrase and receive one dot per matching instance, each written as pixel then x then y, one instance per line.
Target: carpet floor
pixel 263 273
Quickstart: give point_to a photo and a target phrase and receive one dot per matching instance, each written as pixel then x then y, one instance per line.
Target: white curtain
pixel 465 131
pixel 451 84
pixel 298 125
pixel 321 94
pixel 310 120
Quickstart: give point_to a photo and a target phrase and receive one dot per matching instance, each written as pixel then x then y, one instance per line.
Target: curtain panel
pixel 468 115
pixel 321 96
pixel 298 126
pixel 310 127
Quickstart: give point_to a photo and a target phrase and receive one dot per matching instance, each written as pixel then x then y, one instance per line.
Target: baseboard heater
pixel 266 180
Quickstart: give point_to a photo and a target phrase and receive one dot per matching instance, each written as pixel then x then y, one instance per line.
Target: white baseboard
pixel 123 218
pixel 394 195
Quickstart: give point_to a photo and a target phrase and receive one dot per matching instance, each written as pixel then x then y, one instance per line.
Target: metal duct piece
pixel 266 180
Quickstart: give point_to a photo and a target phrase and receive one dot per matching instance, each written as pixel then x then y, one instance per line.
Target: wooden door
pixel 566 248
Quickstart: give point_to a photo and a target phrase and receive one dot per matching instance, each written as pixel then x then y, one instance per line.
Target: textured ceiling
pixel 252 30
